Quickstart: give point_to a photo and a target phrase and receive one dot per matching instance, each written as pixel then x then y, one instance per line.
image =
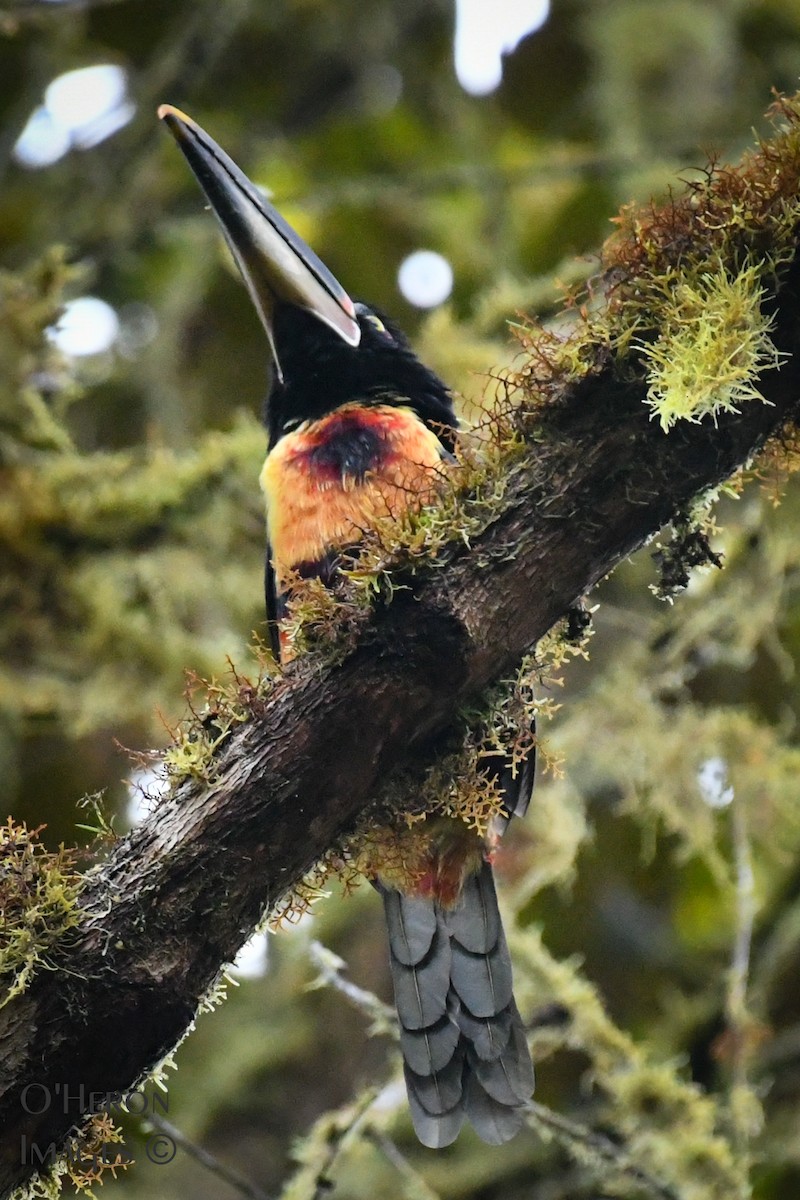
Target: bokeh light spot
pixel 80 109
pixel 251 961
pixel 484 32
pixel 712 780
pixel 425 278
pixel 87 326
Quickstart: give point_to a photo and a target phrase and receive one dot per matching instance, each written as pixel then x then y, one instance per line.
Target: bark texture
pixel 178 896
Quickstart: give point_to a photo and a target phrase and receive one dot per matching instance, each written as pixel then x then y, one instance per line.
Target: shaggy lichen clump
pixel 686 287
pixel 713 345
pixel 38 900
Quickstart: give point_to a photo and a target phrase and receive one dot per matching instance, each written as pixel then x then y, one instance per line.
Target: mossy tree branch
pixel 178 896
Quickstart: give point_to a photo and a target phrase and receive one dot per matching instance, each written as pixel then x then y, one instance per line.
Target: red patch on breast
pixel 352 418
pixel 346 445
pixel 356 440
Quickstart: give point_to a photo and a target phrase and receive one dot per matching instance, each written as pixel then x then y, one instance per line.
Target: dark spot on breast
pixel 351 449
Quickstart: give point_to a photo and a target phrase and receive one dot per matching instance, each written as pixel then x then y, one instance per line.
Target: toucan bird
pixel 359 428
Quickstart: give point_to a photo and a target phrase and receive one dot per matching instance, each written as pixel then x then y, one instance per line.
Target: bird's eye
pixel 366 314
pixel 295 425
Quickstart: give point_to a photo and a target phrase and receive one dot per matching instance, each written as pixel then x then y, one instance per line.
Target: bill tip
pixel 168 112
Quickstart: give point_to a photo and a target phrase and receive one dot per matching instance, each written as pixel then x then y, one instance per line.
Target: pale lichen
pixel 660 1119
pixel 685 290
pixel 39 892
pixel 713 344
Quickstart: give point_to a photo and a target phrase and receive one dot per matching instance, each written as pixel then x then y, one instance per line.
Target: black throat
pixel 321 373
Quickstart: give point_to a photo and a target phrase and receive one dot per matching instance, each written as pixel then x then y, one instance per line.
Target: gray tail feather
pixel 463 1042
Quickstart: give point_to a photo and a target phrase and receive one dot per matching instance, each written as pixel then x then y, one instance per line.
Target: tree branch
pixel 178 896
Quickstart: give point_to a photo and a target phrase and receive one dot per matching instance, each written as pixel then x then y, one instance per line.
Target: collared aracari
pixel 359 428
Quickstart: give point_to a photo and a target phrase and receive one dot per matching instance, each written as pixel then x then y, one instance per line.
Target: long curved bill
pixel 276 264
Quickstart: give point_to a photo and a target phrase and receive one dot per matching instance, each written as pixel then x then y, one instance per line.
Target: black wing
pixel 518 788
pixel 275 606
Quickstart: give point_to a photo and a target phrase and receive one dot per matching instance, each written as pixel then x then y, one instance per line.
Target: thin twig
pixel 745 917
pixel 418 1188
pixel 336 1138
pixel 572 1135
pixel 240 1182
pixel 330 967
pixel 740 1024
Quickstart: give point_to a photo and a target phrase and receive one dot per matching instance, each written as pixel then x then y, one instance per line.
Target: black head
pixel 326 350
pixel 321 372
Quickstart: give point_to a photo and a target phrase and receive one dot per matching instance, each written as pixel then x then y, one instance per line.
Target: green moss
pixel 37 387
pixel 216 707
pixel 39 893
pixel 333 1134
pixel 665 1124
pixel 687 284
pixel 122 570
pixel 89 1159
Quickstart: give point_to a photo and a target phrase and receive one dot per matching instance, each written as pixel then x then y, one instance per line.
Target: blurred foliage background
pixel 656 882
